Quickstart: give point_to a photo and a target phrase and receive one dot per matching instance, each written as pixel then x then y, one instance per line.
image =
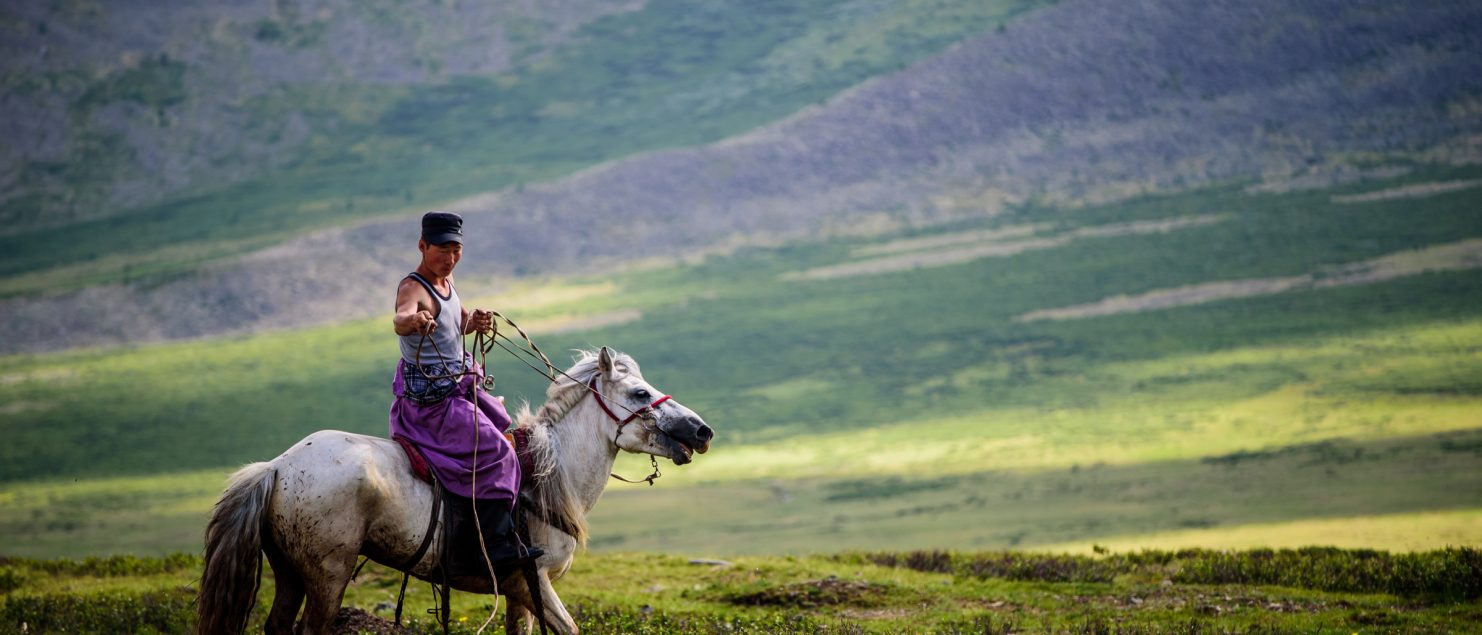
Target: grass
pixel 927 592
pixel 1400 532
pixel 905 409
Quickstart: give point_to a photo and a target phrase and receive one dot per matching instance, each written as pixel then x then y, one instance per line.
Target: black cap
pixel 442 227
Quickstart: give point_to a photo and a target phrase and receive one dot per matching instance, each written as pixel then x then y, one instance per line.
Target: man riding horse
pixel 441 409
pixel 336 496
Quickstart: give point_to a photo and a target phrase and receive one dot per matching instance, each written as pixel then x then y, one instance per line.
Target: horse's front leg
pixel 521 615
pixel 517 619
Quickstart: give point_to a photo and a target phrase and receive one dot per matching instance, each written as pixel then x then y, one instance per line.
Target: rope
pixel 483 346
pixel 480 351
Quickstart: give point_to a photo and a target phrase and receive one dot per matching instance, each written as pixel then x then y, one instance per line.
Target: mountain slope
pixel 111 107
pixel 228 130
pixel 1087 100
pixel 912 405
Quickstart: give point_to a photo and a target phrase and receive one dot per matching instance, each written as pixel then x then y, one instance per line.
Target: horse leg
pixel 517 619
pixel 325 587
pixel 288 596
pixel 556 615
pixel 557 619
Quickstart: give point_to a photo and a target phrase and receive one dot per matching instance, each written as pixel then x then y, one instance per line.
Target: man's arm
pixel 413 309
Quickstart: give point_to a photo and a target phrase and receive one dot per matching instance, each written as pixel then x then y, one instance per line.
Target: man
pixel 440 409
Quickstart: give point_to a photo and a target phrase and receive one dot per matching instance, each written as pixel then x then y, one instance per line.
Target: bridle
pixel 646 412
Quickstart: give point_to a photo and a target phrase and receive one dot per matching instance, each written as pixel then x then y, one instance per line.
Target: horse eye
pixel 640 394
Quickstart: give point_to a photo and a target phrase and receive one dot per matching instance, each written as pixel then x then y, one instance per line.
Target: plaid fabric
pixel 423 391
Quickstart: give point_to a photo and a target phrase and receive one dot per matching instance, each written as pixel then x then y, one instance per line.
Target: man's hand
pixel 423 322
pixel 420 321
pixel 480 321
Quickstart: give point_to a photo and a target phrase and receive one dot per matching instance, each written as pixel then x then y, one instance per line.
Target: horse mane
pixel 552 494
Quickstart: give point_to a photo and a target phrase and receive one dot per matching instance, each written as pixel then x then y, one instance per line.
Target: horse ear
pixel 604 362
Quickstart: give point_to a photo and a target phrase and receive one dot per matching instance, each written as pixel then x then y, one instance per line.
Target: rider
pixel 441 409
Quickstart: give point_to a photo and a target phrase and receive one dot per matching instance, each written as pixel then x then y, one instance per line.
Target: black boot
pixel 503 546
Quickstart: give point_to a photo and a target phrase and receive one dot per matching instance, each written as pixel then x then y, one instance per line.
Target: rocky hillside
pixel 1084 100
pixel 113 105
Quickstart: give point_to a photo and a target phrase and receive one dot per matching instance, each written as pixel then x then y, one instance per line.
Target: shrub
pixel 107 612
pixel 1447 574
pixel 113 566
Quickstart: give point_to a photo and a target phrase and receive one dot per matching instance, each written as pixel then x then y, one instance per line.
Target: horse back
pixel 352 490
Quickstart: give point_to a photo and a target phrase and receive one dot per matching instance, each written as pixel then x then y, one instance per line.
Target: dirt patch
pixel 1148 226
pixel 1466 254
pixel 830 591
pixel 353 621
pixel 906 262
pixel 1457 256
pixel 584 322
pixel 948 240
pixel 18 407
pixel 539 296
pixel 1418 190
pixel 1169 298
pixel 48 375
pixel 1324 178
pixel 934 251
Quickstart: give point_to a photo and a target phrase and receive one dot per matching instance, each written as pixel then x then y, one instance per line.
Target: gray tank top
pixel 445 344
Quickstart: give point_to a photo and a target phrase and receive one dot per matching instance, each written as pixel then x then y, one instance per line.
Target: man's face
pixel 440 259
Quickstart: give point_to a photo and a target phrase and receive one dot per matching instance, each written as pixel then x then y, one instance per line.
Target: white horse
pixel 336 495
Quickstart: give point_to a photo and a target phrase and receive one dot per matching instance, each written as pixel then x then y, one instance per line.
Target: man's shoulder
pixel 410 289
pixel 410 281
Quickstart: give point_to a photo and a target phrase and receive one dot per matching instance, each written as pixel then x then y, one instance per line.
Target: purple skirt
pixel 446 432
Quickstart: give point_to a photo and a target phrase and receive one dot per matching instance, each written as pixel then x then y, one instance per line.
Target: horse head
pixel 648 421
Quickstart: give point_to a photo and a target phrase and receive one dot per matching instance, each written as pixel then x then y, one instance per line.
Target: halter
pixel 641 412
pixel 646 412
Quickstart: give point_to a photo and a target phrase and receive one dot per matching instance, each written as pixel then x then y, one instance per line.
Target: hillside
pixel 1212 277
pixel 1224 366
pixel 110 109
pixel 227 128
pixel 1078 102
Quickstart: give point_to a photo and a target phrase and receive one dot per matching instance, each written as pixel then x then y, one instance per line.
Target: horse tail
pixel 234 551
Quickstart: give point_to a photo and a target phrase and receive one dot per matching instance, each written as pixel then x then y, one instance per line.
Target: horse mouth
pixel 682 450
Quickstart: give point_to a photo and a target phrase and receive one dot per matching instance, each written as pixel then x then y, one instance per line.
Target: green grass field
pixel 906 408
pixel 1258 591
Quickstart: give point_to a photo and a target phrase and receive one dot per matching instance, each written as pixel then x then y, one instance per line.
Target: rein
pixel 552 374
pixel 529 349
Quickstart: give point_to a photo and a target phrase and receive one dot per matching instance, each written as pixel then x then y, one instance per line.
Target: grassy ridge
pixel 731 341
pixel 1312 590
pixel 909 401
pixel 670 74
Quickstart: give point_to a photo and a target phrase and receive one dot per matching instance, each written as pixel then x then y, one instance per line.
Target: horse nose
pixel 703 434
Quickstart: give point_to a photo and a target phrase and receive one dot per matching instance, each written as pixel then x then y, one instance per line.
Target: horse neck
pixel 585 452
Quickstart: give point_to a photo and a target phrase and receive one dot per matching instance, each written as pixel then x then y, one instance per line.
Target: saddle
pixel 463 555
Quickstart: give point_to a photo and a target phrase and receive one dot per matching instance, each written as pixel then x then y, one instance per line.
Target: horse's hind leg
pixel 325 587
pixel 288 596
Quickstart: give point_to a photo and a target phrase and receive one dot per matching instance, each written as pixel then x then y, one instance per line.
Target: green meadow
pixel 1318 590
pixel 904 403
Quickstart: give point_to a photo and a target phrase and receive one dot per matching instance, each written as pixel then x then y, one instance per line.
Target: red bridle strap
pixel 636 413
